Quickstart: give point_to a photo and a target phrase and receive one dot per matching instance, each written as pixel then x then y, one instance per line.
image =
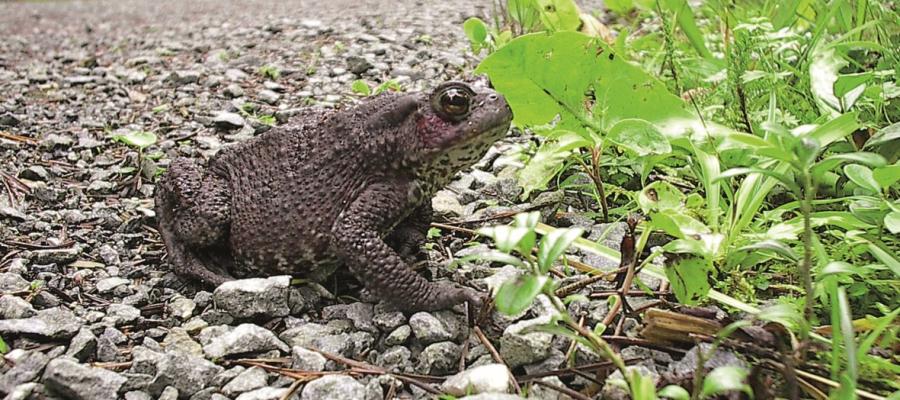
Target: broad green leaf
pixel 660 195
pixel 524 12
pixel 862 176
pixel 684 15
pixel 506 238
pixel 674 392
pixel 527 72
pixel 639 136
pixel 619 6
pixel 832 161
pixel 138 139
pixel 847 333
pixel 850 86
pixel 689 277
pixel 835 129
pixel 837 268
pixel 788 315
pixel 4 348
pixel 775 246
pixel 678 224
pixel 559 15
pixel 892 222
pixel 554 244
pixel 884 135
pixel 642 387
pixel 823 73
pixel 490 256
pixel 780 177
pixel 548 160
pixel 517 295
pixel 725 379
pixel 887 176
pixel 360 87
pixel 527 220
pixel 476 30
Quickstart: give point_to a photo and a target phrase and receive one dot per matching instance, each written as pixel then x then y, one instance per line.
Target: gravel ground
pixel 88 305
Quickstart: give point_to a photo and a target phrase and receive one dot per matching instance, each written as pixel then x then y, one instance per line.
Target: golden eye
pixel 453 102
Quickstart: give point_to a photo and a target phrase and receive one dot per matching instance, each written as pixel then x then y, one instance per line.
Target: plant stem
pixel 806 267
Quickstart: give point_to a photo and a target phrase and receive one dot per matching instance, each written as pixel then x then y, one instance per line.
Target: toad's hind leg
pixel 193 209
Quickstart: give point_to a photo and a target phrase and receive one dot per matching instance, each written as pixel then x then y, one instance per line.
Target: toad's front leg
pixel 357 240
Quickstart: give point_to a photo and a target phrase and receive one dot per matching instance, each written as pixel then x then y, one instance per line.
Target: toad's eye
pixel 453 102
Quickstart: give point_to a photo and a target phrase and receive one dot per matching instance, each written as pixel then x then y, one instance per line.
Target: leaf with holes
pixel 517 295
pixel 689 277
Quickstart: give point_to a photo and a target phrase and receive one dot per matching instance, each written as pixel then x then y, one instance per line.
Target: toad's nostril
pixel 492 97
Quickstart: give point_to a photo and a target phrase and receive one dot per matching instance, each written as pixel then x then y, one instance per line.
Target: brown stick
pixel 496 356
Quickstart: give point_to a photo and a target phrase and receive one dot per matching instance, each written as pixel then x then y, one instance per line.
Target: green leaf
pixel 773 245
pixel 548 160
pixel 642 387
pixel 689 277
pixel 527 72
pixel 506 238
pixel 850 87
pixel 639 136
pixel 725 379
pixel 677 223
pixel 892 222
pixel 884 135
pixel 360 87
pixel 476 30
pixel 524 12
pixel 517 295
pixel 823 73
pixel 832 161
pixel 554 244
pixel 660 195
pixel 490 256
pixel 4 348
pixel 887 176
pixel 788 315
pixel 559 15
pixel 675 392
pixel 138 139
pixel 862 176
pixel 685 17
pixel 837 268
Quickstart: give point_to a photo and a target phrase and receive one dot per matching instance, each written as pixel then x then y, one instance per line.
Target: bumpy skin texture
pixel 350 187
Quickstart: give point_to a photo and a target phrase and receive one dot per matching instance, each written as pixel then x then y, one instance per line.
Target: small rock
pixel 358 65
pixel 334 387
pixel 109 284
pixel 187 373
pixel 121 314
pixel 137 395
pixel 181 307
pixel 26 366
pixel 51 323
pixel 254 298
pixel 72 380
pixel 445 203
pixel 228 121
pixel 388 321
pixel 13 307
pixel 361 314
pixel 518 348
pixel 250 379
pixel 179 340
pixel 55 256
pixel 246 338
pixel 268 96
pixel 307 360
pixel 233 90
pixel 437 327
pixel 266 393
pixel 35 173
pixel 439 358
pixel 169 393
pixel 491 378
pixel 185 77
pixel 83 346
pixel 398 336
pixel 10 282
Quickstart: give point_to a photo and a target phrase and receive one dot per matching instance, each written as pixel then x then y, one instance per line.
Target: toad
pixel 350 187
